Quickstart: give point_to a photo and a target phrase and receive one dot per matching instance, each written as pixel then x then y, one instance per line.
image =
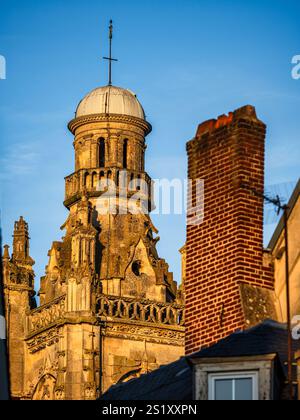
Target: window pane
pixel 223 389
pixel 243 389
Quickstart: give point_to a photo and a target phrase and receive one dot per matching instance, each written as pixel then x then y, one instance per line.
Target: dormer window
pixel 241 386
pixel 242 378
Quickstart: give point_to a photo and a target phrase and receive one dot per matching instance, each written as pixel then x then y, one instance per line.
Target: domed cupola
pixel 110 100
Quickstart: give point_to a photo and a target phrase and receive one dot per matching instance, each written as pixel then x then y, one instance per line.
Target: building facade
pixel 278 252
pixel 108 303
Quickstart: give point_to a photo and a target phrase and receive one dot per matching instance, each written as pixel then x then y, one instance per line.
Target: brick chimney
pixel 225 249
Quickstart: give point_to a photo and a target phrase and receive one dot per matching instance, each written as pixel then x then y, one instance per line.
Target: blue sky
pixel 187 60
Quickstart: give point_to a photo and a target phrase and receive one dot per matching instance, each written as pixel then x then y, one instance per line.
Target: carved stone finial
pixel 21 243
pixel 6 253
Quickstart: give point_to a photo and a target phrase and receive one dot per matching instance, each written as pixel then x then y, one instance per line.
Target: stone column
pixel 114 150
pixel 94 153
pixel 107 156
pixel 137 154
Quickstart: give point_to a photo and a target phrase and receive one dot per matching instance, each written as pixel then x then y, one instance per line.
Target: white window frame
pixel 213 377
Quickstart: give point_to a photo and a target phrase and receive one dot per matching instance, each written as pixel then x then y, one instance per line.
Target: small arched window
pixel 94 179
pixel 86 180
pixel 125 153
pixel 101 153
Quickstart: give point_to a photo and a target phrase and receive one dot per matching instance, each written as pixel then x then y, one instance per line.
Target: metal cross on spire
pixel 110 59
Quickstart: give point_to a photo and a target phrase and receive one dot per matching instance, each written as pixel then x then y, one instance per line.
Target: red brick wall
pixel 227 247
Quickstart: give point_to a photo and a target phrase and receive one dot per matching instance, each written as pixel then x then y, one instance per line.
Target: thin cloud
pixel 20 159
pixel 285 156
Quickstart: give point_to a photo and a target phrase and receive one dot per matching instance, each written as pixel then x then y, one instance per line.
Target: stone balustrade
pixel 109 307
pixel 96 181
pixel 45 316
pixel 144 311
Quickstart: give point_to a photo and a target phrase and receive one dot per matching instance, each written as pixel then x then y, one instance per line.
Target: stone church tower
pixel 108 302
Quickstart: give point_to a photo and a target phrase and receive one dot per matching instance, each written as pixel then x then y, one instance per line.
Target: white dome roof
pixel 110 100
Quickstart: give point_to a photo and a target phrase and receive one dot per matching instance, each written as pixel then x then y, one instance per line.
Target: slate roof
pixel 170 382
pixel 175 381
pixel 266 338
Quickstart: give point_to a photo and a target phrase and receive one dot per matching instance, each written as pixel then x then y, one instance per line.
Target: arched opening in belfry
pixel 132 183
pixel 125 153
pixel 94 179
pixel 101 153
pixel 86 180
pixel 138 187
